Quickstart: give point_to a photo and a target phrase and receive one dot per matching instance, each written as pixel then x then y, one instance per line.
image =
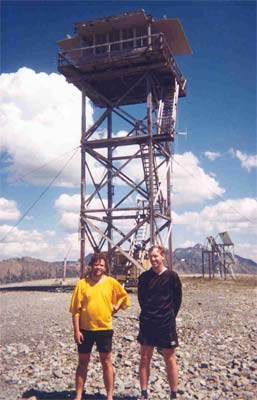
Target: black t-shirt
pixel 160 298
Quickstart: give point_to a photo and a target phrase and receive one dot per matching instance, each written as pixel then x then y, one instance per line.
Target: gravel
pixel 217 356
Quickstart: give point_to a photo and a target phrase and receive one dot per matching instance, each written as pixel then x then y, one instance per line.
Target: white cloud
pixel 40 118
pixel 211 155
pixel 68 203
pixel 230 215
pixel 238 217
pixel 247 250
pixel 191 185
pixel 68 207
pixel 69 221
pixel 43 245
pixel 247 161
pixel 8 210
pixel 68 247
pixel 187 243
pixel 19 243
pixel 235 216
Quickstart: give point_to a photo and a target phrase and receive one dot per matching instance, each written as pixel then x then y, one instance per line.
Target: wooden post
pixel 203 253
pixel 169 206
pixel 151 162
pixel 64 269
pixel 82 185
pixel 149 34
pixel 210 265
pixel 109 192
pixel 224 260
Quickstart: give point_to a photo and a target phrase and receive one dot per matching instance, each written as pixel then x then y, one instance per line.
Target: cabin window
pixel 141 35
pixel 87 41
pixel 127 34
pixel 100 38
pixel 114 36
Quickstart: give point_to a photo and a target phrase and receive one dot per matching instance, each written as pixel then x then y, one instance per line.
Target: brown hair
pixel 158 247
pixel 97 257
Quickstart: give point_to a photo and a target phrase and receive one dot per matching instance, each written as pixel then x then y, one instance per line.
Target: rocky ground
pixel 217 356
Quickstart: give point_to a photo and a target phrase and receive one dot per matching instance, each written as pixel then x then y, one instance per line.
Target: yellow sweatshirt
pixel 93 302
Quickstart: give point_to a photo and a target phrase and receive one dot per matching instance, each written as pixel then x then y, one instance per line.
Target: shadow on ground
pixel 69 394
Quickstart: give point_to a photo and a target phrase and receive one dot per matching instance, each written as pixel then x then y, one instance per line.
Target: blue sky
pixel 214 173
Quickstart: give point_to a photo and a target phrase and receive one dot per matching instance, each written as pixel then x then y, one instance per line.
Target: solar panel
pixel 226 239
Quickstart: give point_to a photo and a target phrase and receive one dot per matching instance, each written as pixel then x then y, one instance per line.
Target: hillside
pixel 186 261
pixel 28 268
pixel 189 260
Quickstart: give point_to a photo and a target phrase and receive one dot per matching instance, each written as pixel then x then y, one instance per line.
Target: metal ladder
pixel 168 110
pixel 137 246
pixel 148 173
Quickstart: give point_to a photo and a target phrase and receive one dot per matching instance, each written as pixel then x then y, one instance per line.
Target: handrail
pixel 109 44
pixel 157 41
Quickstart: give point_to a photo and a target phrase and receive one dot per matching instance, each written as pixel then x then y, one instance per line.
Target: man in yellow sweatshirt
pixel 95 299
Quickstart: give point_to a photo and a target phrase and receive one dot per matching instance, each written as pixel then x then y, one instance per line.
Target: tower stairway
pixel 166 121
pixel 168 110
pixel 151 173
pixel 137 248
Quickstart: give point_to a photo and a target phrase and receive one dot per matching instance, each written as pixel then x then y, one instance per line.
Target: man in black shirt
pixel 159 296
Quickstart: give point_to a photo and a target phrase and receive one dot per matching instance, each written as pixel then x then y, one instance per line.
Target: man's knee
pixel 106 359
pixel 84 359
pixel 169 355
pixel 146 355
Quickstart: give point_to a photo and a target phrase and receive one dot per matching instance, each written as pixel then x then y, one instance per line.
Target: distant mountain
pixel 28 268
pixel 185 260
pixel 189 260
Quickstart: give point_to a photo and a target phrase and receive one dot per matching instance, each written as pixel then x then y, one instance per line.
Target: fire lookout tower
pixel 119 62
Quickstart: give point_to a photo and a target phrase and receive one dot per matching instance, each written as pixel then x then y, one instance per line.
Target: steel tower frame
pixel 150 147
pixel 153 80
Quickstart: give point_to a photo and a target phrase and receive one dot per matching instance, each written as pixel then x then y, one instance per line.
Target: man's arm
pixel 120 298
pixel 177 294
pixel 78 336
pixel 115 308
pixel 140 292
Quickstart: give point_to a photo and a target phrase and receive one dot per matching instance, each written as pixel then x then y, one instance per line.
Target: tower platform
pixel 110 54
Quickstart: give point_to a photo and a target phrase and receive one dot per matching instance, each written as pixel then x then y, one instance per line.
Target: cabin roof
pixel 120 21
pixel 171 28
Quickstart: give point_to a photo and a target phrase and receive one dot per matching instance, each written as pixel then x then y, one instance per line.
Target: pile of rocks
pixel 217 357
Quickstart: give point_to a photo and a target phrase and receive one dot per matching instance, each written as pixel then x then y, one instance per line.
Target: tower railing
pixel 81 56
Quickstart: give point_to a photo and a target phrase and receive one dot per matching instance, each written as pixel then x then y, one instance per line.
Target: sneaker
pixel 144 395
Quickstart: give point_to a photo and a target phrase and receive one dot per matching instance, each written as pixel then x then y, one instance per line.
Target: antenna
pixel 185 133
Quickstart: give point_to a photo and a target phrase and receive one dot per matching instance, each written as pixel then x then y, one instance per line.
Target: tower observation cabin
pixel 125 64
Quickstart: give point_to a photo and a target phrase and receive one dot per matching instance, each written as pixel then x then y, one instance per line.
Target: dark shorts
pixel 156 337
pixel 103 340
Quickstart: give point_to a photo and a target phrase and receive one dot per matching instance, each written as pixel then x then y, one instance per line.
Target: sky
pixel 215 162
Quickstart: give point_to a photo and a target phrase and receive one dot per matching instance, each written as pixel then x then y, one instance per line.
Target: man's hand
pixel 78 337
pixel 115 309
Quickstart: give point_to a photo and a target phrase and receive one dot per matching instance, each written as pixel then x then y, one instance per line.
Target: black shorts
pixel 156 337
pixel 103 340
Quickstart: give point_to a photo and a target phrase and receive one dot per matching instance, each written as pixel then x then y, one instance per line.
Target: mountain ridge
pixel 185 260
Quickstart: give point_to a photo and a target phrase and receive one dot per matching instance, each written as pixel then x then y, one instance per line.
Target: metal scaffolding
pixel 119 62
pixel 219 257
